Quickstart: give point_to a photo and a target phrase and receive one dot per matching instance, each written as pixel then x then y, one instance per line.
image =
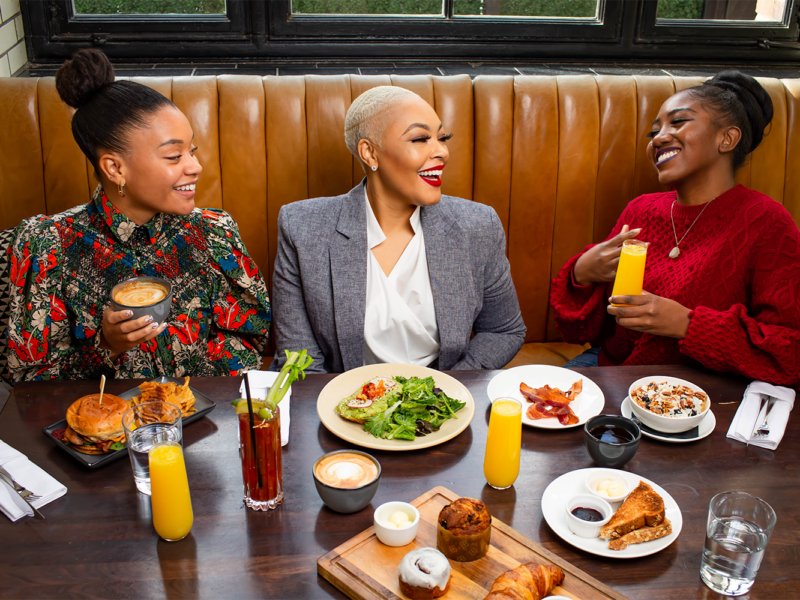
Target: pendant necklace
pixel 675 252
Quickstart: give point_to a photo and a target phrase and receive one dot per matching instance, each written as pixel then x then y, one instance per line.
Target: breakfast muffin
pixel 464 530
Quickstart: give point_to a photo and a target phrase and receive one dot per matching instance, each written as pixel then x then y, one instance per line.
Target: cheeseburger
pixel 95 428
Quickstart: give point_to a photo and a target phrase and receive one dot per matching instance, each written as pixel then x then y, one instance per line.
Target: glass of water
pixel 738 529
pixel 145 425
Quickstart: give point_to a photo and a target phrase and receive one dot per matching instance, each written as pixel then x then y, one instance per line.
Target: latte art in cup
pixel 346 470
pixel 140 293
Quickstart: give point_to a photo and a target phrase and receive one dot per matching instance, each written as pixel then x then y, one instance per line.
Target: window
pixel 148 7
pixel 517 31
pixel 723 10
pixel 735 27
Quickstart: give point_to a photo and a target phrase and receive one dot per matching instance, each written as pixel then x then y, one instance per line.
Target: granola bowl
pixel 668 404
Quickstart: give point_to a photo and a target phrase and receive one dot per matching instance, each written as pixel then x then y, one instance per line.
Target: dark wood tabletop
pixel 98 541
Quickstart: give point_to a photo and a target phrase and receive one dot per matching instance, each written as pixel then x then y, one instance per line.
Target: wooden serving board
pixel 365 569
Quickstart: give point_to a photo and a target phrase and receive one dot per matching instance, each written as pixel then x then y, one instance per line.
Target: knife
pixel 18 489
pixel 764 400
pixel 17 499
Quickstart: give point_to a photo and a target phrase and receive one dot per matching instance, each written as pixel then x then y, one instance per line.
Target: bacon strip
pixel 548 402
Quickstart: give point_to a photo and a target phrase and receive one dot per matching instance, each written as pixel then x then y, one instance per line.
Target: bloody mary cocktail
pixel 268 447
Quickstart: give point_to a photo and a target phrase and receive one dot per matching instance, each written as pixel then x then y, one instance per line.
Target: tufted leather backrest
pixel 558 158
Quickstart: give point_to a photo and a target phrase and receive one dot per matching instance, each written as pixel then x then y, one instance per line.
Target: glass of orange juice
pixel 172 504
pixel 504 443
pixel 630 270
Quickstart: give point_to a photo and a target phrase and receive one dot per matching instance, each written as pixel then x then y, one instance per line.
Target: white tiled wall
pixel 13 54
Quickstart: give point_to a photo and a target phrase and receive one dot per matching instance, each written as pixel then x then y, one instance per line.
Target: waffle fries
pixel 180 395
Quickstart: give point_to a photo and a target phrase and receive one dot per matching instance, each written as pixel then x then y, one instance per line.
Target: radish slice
pixel 356 403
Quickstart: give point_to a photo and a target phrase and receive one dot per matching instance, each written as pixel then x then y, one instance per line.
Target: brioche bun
pixel 95 421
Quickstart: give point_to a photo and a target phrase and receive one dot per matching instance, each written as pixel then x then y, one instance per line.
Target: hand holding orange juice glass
pixel 504 443
pixel 630 270
pixel 172 504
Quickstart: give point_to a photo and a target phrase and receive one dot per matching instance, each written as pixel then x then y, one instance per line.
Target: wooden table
pixel 98 540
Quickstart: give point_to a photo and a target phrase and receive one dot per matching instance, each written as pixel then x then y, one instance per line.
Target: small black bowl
pixel 157 311
pixel 607 454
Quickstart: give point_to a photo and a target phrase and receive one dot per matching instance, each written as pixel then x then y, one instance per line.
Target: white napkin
pixel 748 416
pixel 260 382
pixel 30 477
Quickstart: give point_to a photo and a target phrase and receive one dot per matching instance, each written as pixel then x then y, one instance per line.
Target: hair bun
pixel 755 99
pixel 81 77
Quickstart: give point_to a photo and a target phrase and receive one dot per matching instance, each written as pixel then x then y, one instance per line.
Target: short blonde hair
pixel 367 117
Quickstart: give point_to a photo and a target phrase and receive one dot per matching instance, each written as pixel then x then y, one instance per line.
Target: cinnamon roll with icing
pixel 424 574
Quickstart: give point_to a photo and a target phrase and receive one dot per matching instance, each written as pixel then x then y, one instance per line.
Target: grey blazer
pixel 319 286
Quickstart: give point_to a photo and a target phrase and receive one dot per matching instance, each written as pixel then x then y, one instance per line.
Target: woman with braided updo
pixel 722 281
pixel 141 221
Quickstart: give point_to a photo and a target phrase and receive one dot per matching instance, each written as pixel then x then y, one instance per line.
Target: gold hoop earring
pixel 121 189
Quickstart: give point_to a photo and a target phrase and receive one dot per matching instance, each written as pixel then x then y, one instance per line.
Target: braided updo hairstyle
pixel 107 110
pixel 737 99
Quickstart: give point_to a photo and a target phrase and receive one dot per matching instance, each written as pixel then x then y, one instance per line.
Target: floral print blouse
pixel 63 268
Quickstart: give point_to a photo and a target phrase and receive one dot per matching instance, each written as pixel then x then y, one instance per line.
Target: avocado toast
pixel 370 400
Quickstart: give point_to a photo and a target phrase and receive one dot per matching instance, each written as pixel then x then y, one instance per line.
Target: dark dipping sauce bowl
pixel 606 453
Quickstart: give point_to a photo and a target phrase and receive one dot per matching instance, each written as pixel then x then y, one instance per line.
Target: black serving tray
pixel 203 404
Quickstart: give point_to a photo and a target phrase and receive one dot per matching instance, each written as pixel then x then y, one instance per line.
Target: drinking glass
pixel 145 425
pixel 737 532
pixel 267 493
pixel 630 270
pixel 172 503
pixel 504 443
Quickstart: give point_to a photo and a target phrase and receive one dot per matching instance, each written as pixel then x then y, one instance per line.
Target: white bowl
pixel 393 536
pixel 587 529
pixel 598 475
pixel 660 422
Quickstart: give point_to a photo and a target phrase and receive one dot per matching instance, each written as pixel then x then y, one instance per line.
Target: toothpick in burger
pixel 95 428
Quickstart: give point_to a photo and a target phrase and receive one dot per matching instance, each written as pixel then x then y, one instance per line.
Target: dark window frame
pixel 412 28
pixel 678 31
pixel 261 30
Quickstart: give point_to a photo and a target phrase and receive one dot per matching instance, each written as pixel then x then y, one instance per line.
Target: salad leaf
pixel 379 424
pixel 421 409
pixel 117 446
pixel 404 427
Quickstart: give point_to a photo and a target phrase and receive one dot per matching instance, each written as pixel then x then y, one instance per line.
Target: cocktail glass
pixel 504 443
pixel 172 503
pixel 264 492
pixel 630 270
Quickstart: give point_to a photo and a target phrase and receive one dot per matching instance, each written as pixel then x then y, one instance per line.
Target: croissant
pixel 527 582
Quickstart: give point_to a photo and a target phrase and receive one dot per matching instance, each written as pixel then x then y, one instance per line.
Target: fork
pixel 763 430
pixel 26 494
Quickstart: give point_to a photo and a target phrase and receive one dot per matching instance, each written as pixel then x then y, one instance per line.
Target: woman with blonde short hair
pixel 393 271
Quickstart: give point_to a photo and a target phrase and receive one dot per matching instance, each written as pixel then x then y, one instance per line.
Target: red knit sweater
pixel 738 270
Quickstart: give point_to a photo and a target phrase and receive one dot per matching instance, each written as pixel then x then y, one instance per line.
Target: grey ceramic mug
pixel 347 500
pixel 158 311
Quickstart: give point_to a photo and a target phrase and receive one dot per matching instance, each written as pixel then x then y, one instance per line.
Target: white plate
pixel 589 403
pixel 704 428
pixel 573 483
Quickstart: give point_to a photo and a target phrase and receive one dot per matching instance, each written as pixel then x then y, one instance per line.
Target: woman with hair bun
pixel 141 221
pixel 722 278
pixel 393 271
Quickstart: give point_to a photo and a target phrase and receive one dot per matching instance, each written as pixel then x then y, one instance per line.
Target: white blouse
pixel 400 321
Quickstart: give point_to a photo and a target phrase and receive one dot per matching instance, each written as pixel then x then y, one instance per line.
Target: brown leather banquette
pixel 557 157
